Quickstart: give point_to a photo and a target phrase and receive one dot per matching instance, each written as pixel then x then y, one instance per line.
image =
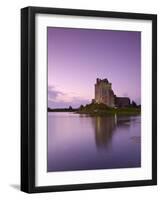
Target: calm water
pixel 80 142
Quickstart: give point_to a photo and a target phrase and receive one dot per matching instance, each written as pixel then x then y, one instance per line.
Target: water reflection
pixel 81 142
pixel 125 121
pixel 103 129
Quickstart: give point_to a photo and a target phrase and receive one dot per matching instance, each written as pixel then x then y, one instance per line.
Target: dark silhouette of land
pixel 101 109
pixel 70 109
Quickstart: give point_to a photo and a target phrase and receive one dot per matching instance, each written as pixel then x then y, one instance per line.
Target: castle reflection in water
pixel 84 142
pixel 104 128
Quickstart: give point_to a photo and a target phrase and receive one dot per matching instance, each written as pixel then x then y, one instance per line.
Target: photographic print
pixel 94 99
pixel 88 99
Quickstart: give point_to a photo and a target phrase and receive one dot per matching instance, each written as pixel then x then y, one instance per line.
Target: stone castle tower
pixel 104 93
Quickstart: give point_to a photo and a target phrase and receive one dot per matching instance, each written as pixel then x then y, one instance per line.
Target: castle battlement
pixel 104 94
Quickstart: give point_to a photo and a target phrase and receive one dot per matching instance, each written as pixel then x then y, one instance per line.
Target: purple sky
pixel 76 57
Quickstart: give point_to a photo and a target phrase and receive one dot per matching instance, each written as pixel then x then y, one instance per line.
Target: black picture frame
pixel 28 98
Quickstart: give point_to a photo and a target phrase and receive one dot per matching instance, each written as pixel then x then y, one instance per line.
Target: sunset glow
pixel 76 57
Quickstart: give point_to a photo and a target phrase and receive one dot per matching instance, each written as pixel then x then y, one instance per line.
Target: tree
pixel 81 107
pixel 134 104
pixel 70 108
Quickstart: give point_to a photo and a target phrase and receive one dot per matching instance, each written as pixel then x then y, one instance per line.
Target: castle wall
pixel 122 101
pixel 104 94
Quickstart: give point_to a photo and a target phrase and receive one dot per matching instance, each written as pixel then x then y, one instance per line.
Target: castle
pixel 104 94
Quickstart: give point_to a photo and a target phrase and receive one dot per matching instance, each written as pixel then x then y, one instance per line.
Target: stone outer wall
pixel 104 94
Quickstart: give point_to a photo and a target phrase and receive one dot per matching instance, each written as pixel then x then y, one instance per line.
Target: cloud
pixel 53 94
pixel 59 99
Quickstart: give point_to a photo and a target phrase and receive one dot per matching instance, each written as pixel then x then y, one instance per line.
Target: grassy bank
pixel 101 109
